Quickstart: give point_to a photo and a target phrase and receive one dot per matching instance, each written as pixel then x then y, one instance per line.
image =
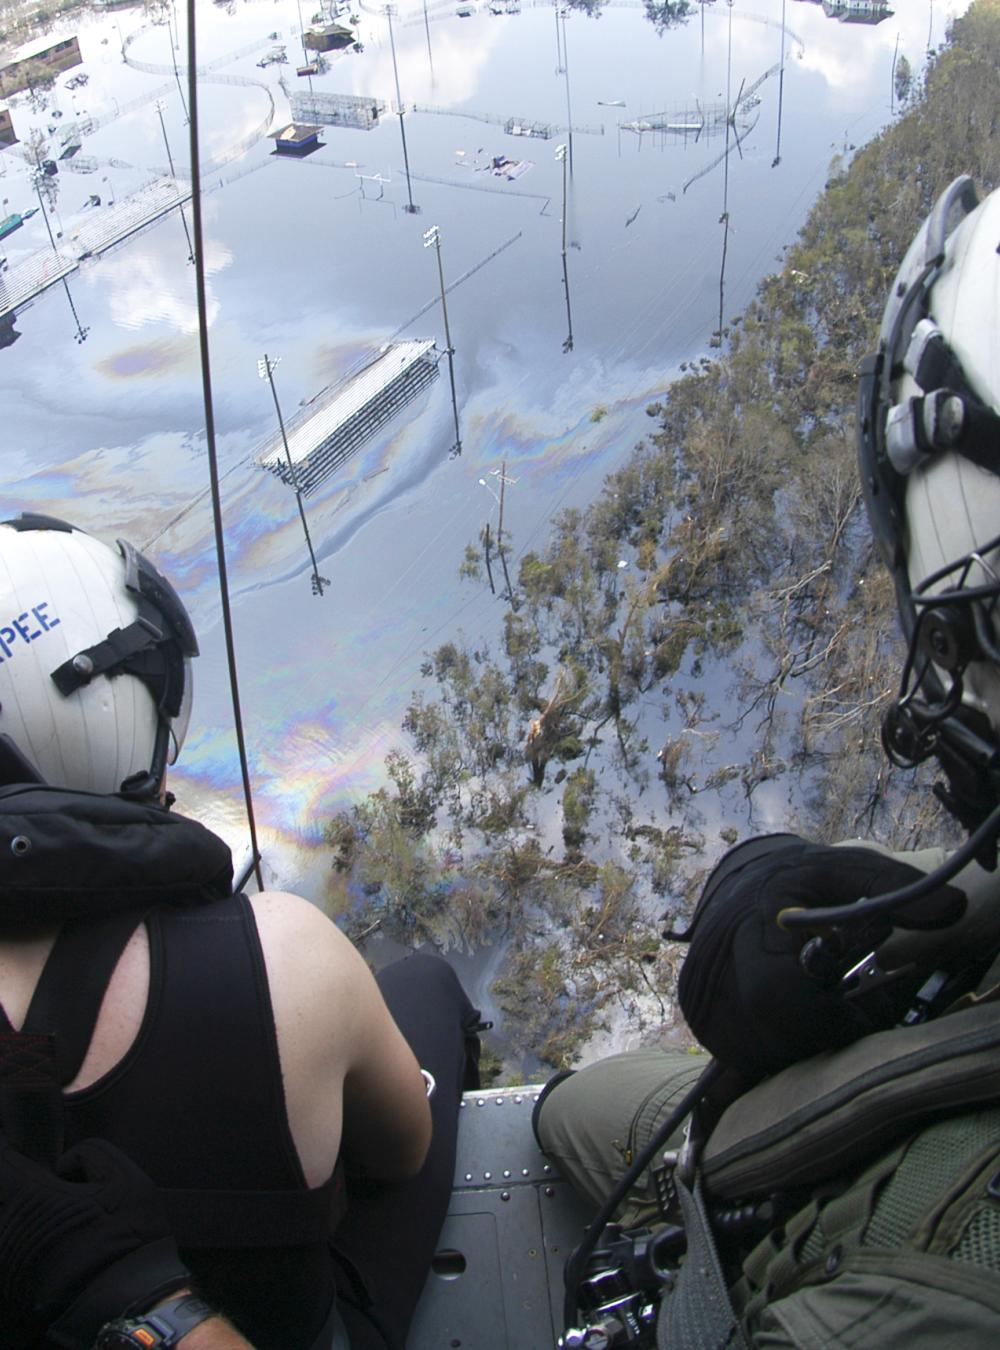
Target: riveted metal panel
pixel 497 1279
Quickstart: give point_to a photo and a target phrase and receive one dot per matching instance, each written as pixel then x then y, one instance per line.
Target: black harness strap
pixel 30 1101
pixel 232 1219
pixel 40 1059
pixel 73 983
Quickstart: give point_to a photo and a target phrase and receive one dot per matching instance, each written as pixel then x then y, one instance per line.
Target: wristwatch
pixel 158 1330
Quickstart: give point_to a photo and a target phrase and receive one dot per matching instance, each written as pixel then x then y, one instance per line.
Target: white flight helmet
pixel 929 446
pixel 95 648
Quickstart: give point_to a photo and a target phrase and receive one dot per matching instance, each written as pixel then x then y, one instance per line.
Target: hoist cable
pixel 213 464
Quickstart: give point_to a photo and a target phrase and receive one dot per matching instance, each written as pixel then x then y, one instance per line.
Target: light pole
pixel 561 159
pixel 390 10
pixel 501 475
pixel 503 479
pixel 265 369
pixel 432 239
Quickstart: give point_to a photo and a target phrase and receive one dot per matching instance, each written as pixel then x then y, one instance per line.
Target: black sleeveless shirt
pixel 198 1102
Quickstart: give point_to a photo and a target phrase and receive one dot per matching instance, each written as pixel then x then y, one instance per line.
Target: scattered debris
pixel 502 166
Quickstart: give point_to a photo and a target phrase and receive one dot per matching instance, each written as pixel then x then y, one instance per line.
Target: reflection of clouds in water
pixel 332 361
pixel 87 489
pixel 150 358
pixel 458 64
pixel 303 768
pixel 550 441
pixel 846 55
pixel 146 287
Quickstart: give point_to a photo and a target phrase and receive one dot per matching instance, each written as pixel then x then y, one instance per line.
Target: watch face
pixel 112 1338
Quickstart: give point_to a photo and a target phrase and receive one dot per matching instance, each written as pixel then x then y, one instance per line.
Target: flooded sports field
pixel 604 188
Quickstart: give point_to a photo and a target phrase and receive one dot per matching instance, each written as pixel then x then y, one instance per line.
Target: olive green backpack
pixel 880 1164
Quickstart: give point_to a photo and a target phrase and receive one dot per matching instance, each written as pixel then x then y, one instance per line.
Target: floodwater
pixel 318 262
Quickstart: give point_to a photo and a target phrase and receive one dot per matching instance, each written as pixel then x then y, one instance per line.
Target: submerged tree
pixel 664 14
pixel 902 79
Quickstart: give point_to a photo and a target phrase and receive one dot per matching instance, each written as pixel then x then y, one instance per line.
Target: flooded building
pixel 331 37
pixel 338 421
pixel 39 65
pixel 854 11
pixel 296 139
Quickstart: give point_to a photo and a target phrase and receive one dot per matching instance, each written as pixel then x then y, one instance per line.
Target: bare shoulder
pixel 308 958
pixel 314 976
pixel 284 917
pixel 343 1058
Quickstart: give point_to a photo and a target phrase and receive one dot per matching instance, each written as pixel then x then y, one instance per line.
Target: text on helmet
pixel 18 629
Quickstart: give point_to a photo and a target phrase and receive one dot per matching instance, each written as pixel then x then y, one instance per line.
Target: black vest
pixel 197 1100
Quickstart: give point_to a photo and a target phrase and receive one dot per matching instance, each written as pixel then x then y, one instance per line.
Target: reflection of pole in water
pixel 561 157
pixel 569 111
pixel 81 333
pixel 302 34
pixel 177 74
pixel 187 233
pixel 730 118
pixel 568 343
pixel 158 105
pixel 37 178
pixel 432 239
pixel 781 89
pixel 173 173
pixel 730 114
pixel 430 54
pixel 265 369
pixel 390 10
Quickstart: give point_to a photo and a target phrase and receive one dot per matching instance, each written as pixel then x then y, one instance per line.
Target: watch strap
pixel 160 1329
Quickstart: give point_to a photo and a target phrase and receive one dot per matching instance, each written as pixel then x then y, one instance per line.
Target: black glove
pixel 742 989
pixel 84 1244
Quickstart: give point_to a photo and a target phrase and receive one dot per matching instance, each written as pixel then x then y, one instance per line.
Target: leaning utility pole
pixel 265 369
pixel 432 239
